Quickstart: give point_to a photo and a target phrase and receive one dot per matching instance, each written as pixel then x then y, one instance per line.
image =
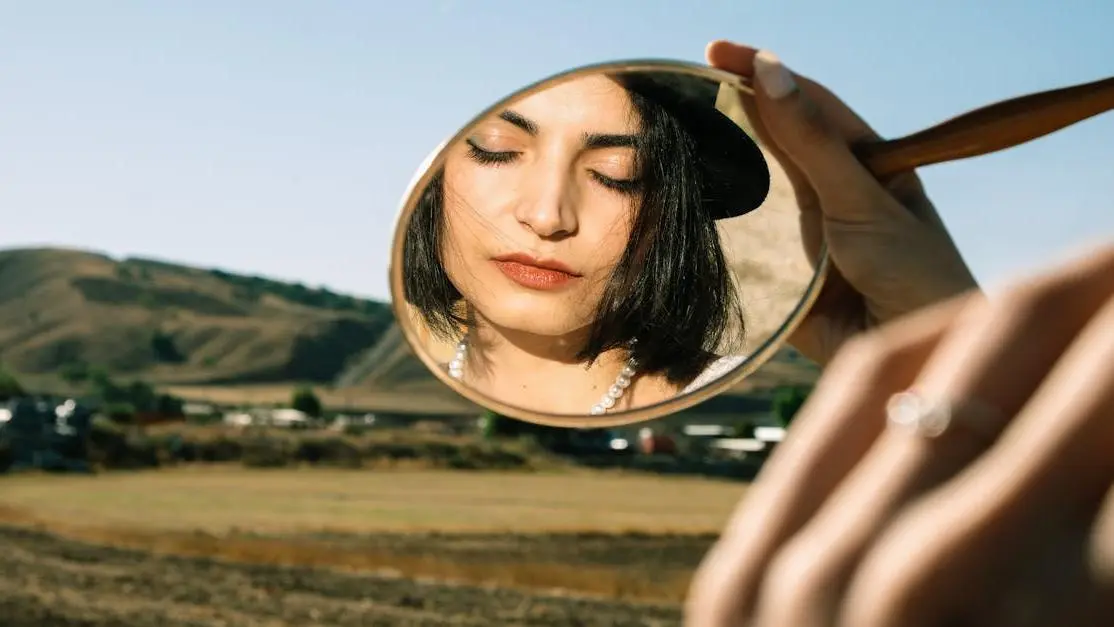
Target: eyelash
pixel 487 157
pixel 623 186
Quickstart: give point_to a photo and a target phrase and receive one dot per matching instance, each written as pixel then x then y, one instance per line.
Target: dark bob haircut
pixel 671 290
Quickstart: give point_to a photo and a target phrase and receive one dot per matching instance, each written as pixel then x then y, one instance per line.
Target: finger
pixel 841 120
pixel 1053 464
pixel 825 442
pixel 994 355
pixel 731 57
pixel 740 59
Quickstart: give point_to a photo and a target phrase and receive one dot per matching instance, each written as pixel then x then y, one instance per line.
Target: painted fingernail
pixel 775 80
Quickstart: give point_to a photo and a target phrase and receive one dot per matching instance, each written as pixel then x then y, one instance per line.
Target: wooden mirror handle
pixel 989 129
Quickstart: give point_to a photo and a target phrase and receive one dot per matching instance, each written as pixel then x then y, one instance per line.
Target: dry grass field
pixel 218 499
pixel 227 545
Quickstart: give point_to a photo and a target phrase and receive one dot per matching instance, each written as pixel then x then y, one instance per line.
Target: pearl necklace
pixel 614 393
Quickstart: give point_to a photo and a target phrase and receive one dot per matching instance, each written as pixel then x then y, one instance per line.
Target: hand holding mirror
pixel 606 246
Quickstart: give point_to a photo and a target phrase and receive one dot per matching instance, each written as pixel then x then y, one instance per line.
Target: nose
pixel 548 204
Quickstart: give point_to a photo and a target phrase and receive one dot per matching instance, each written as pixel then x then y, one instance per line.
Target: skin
pixel 855 524
pixel 552 194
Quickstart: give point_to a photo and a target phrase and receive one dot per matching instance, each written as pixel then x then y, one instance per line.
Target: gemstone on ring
pixel 925 417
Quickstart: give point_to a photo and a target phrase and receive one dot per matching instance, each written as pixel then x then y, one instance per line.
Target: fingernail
pixel 775 80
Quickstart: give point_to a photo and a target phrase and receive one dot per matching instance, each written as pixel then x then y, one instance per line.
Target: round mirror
pixel 606 246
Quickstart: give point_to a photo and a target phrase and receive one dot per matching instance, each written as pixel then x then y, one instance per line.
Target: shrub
pixel 110 446
pixel 9 386
pixel 164 348
pixel 5 453
pixel 328 451
pixel 305 401
pixel 787 402
pixel 266 452
pixel 74 372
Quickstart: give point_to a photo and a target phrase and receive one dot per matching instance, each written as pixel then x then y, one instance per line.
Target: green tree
pixel 9 386
pixel 122 413
pixel 164 348
pixel 74 372
pixel 305 401
pixel 168 405
pixel 141 396
pixel 493 425
pixel 787 402
pixel 744 429
pixel 104 388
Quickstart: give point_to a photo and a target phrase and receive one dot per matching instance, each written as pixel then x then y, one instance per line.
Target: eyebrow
pixel 591 140
pixel 519 121
pixel 610 141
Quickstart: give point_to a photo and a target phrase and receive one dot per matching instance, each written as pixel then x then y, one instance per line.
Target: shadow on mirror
pixel 610 245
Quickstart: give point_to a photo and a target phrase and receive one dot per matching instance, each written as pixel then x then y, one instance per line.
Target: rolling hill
pixel 172 324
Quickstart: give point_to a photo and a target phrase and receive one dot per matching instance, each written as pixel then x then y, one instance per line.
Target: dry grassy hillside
pixel 173 324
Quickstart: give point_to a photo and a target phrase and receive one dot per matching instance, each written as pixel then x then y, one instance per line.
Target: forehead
pixel 590 103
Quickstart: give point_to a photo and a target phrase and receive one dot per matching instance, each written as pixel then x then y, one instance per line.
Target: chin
pixel 531 314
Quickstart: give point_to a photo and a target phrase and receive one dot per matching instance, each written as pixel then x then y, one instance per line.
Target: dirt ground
pixel 50 581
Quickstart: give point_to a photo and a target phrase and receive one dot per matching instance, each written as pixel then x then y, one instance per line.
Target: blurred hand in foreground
pixel 985 497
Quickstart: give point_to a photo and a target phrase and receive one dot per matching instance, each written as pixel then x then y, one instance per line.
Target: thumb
pixel 798 127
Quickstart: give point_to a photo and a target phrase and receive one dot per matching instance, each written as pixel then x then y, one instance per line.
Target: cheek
pixel 468 212
pixel 464 211
pixel 475 192
pixel 610 226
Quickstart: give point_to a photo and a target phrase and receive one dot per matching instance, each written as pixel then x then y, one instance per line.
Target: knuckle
pixel 892 601
pixel 889 586
pixel 1073 288
pixel 870 358
pixel 1026 301
pixel 704 599
pixel 719 588
pixel 860 352
pixel 795 584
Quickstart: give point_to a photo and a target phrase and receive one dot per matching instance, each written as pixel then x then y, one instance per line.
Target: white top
pixel 715 370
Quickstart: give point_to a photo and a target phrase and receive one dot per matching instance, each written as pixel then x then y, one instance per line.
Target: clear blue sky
pixel 277 137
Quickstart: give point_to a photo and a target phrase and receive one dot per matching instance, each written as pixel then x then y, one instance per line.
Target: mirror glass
pixel 602 247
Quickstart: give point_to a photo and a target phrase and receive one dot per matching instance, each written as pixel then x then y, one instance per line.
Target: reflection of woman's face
pixel 538 206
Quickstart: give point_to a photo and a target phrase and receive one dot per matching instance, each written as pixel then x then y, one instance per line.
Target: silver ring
pixel 933 417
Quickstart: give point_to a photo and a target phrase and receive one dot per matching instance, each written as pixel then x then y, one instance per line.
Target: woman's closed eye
pixel 623 186
pixel 615 169
pixel 489 157
pixel 486 156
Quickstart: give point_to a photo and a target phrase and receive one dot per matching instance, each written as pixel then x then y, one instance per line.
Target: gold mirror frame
pixel 433 162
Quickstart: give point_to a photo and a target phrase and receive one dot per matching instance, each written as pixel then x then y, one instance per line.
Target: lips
pixel 535 274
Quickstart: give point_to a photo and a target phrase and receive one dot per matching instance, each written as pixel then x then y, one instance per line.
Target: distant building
pixel 195 409
pixel 283 417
